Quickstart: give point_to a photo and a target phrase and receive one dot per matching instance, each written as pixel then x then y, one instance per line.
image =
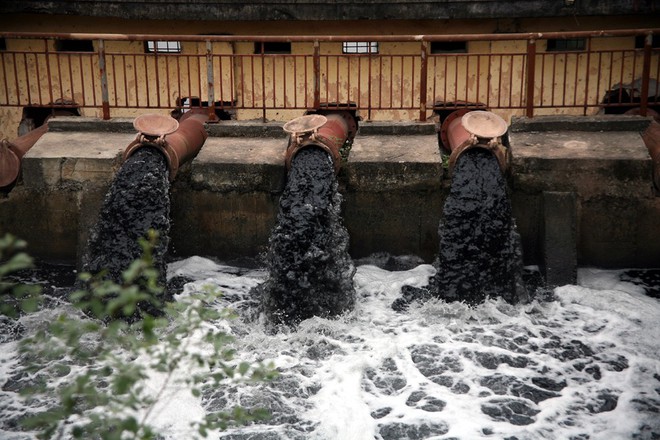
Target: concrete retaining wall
pixel 592 189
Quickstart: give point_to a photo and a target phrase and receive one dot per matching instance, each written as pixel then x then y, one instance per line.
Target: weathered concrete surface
pixel 559 238
pixel 240 164
pixel 74 158
pixel 610 173
pixel 73 124
pixel 64 179
pixel 228 203
pixel 393 195
pixel 559 123
pixel 230 199
pixel 396 128
pixel 251 129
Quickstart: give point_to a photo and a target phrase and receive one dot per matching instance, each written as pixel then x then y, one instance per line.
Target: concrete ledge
pixel 403 128
pixel 587 163
pixel 250 129
pixel 72 124
pixel 610 174
pixel 580 123
pixel 240 164
pixel 82 157
pixel 393 195
pixel 390 163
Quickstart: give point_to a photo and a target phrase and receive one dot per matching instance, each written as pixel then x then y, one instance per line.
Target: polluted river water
pixel 580 362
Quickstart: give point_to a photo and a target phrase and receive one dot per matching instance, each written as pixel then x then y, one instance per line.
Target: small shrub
pixel 90 369
pixel 16 297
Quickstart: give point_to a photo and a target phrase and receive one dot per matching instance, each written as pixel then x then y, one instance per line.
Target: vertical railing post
pixel 263 82
pixel 646 70
pixel 531 70
pixel 370 58
pixel 105 100
pixel 317 74
pixel 210 91
pixel 424 70
pixel 586 79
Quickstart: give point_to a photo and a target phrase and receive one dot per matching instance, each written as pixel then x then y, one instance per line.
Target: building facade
pixel 274 60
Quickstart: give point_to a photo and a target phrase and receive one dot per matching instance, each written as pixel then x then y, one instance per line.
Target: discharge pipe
pixel 651 138
pixel 179 141
pixel 11 153
pixel 328 132
pixel 465 129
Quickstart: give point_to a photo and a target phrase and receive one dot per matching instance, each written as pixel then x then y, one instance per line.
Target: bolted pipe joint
pixel 328 132
pixel 466 129
pixel 12 152
pixel 179 141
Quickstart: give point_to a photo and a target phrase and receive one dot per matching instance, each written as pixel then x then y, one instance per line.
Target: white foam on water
pixel 585 365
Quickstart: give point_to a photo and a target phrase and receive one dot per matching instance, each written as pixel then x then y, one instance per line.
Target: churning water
pixel 479 254
pixel 581 364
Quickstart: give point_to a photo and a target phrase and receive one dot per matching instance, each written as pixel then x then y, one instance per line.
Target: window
pixel 560 45
pixel 74 46
pixel 359 47
pixel 272 47
pixel 640 40
pixel 3 44
pixel 162 47
pixel 448 47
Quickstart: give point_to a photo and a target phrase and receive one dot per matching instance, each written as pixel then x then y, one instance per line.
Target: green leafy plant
pixel 16 297
pixel 92 369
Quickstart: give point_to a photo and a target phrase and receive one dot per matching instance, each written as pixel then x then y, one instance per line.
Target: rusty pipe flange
pixel 304 124
pixel 177 141
pixel 484 124
pixel 477 129
pixel 329 136
pixel 154 125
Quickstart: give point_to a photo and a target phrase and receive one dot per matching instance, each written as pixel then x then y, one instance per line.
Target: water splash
pixel 480 255
pixel 138 201
pixel 582 365
pixel 310 269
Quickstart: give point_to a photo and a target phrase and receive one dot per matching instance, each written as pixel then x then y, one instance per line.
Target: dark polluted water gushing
pixel 310 271
pixel 479 254
pixel 137 201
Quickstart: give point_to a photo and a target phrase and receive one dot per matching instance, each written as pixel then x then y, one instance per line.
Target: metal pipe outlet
pixel 652 140
pixel 466 129
pixel 179 141
pixel 329 132
pixel 11 153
